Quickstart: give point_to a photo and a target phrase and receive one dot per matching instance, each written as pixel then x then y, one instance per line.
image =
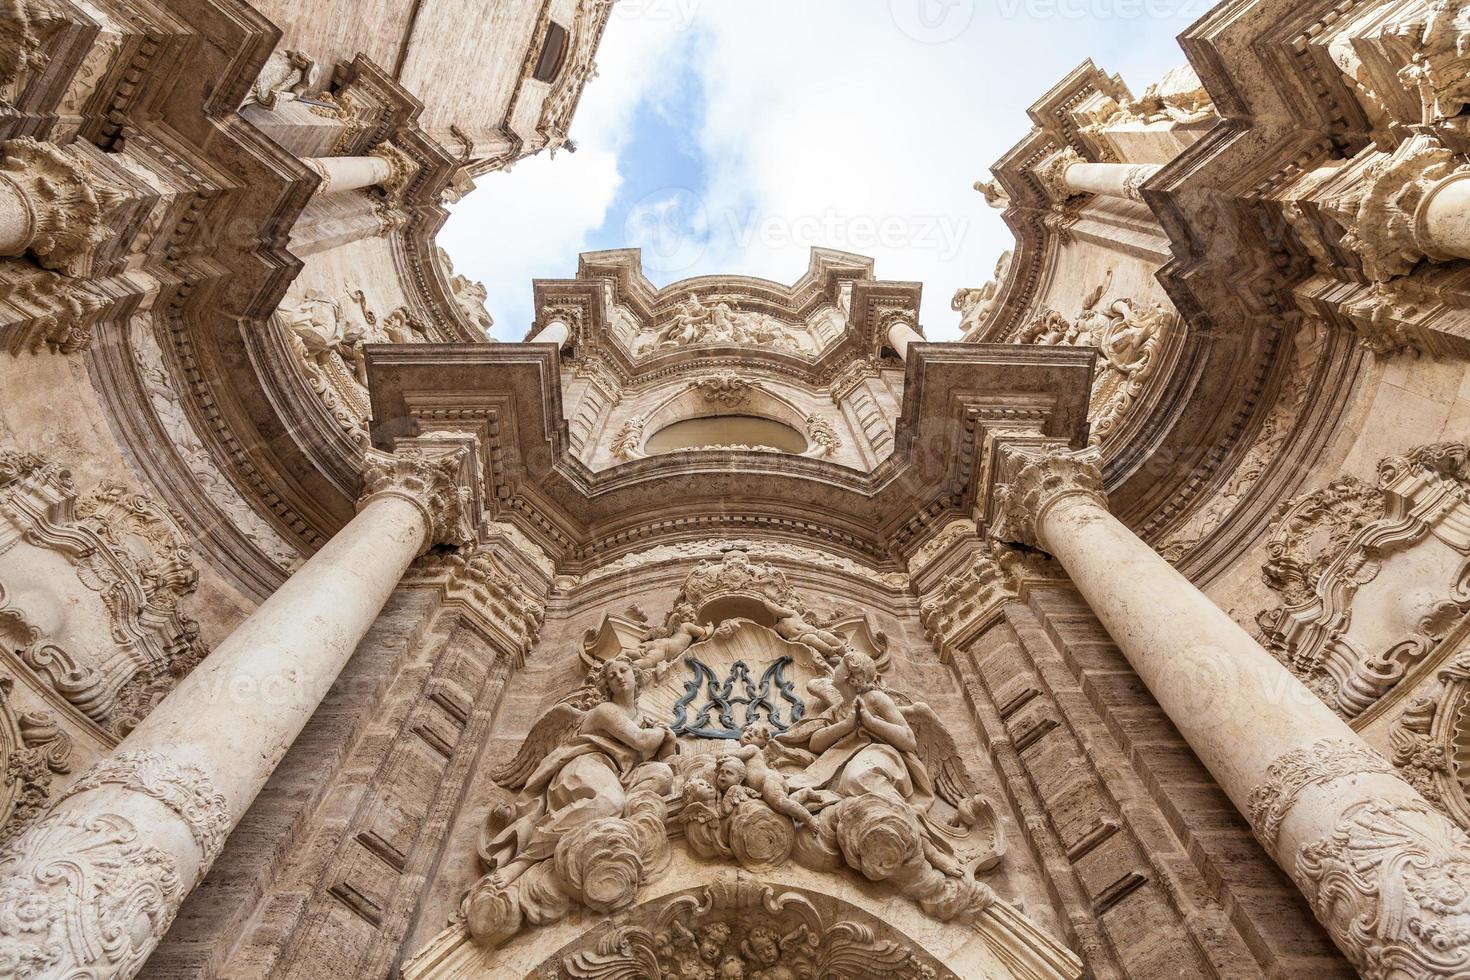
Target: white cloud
pixel 853 124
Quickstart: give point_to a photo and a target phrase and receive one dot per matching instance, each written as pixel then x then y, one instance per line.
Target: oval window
pixel 726 431
pixel 553 53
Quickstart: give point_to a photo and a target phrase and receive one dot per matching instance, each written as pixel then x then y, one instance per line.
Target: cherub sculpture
pixel 765 781
pixel 791 624
pixel 667 645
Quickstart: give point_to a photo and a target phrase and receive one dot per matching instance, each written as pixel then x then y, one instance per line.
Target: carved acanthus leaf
pixel 70 208
pixel 1036 478
pixel 433 483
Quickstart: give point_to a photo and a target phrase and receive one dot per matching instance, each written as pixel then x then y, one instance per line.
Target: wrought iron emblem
pixel 728 708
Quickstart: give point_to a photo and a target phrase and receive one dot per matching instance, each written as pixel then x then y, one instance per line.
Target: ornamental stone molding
pixel 1401 548
pixel 184 789
pixel 76 568
pixel 822 435
pixel 67 208
pixel 478 583
pixel 1426 739
pixel 433 484
pixel 26 34
pixel 725 388
pixel 1053 174
pixel 628 443
pixel 34 751
pixel 1032 479
pixel 287 76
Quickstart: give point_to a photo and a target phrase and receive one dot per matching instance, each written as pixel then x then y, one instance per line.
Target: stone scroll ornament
pixel 870 782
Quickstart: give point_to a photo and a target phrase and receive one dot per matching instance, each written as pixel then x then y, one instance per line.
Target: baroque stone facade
pixel 728 630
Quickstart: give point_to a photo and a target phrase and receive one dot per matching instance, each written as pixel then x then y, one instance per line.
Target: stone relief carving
pixel 756 550
pixel 26 31
pixel 628 443
pixel 479 580
pixel 1400 549
pixel 286 77
pixel 328 337
pixel 69 205
pixel 57 313
pixel 1178 98
pixel 1127 333
pixel 1390 884
pixel 976 305
pixel 1052 173
pixel 822 435
pixel 186 790
pixel 128 572
pixel 989 578
pixel 849 776
pixel 1268 444
pixel 169 408
pixel 1428 740
pixel 469 294
pixel 994 194
pixel 1296 771
pixel 1439 71
pixel 33 752
pixel 725 388
pixel 84 891
pixel 1380 212
pixel 746 930
pixel 697 321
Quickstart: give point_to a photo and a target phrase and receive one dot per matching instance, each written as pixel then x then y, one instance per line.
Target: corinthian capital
pixel 434 483
pixel 66 207
pixel 1034 478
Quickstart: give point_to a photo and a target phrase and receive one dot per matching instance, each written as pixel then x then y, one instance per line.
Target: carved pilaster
pixel 1036 478
pixel 434 484
pixel 67 207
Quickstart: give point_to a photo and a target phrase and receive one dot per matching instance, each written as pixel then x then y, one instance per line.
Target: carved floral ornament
pixel 127 571
pixel 1035 479
pixel 1401 547
pixel 69 208
pixel 795 782
pixel 1431 741
pixel 432 483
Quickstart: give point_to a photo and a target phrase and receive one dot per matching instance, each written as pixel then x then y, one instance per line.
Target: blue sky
pixel 729 136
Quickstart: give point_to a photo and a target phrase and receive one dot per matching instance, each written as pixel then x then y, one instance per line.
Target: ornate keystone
pixel 432 483
pixel 1034 480
pixel 67 206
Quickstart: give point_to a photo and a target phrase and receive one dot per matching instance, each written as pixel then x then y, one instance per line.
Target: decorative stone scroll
pixel 34 751
pixel 186 790
pixel 1289 776
pixel 746 930
pixel 822 434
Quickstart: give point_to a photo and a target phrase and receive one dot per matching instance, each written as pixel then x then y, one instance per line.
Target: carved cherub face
pixel 758 734
pixel 729 773
pixel 732 969
pixel 699 790
pixel 764 946
pixel 858 670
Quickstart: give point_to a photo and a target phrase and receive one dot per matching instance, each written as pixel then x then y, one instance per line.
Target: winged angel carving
pixel 871 782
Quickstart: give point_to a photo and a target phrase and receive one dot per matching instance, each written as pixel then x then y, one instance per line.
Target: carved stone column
pixel 1066 174
pixel 91 888
pixel 1386 873
pixel 342 174
pixel 556 332
pixel 1444 218
pixel 53 205
pixel 901 333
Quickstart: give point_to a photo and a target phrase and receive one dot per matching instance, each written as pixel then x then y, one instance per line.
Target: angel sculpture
pixel 888 767
pixel 575 768
pixel 791 624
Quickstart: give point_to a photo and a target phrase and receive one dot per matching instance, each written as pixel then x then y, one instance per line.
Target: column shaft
pixel 555 332
pixel 900 335
pixel 17 221
pixel 1109 179
pixel 1384 871
pixel 1444 218
pixel 342 174
pixel 147 821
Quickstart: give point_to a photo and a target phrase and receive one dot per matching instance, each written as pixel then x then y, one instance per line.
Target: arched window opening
pixel 553 53
pixel 726 430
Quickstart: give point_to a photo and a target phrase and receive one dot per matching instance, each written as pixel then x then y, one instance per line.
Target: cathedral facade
pixel 729 629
